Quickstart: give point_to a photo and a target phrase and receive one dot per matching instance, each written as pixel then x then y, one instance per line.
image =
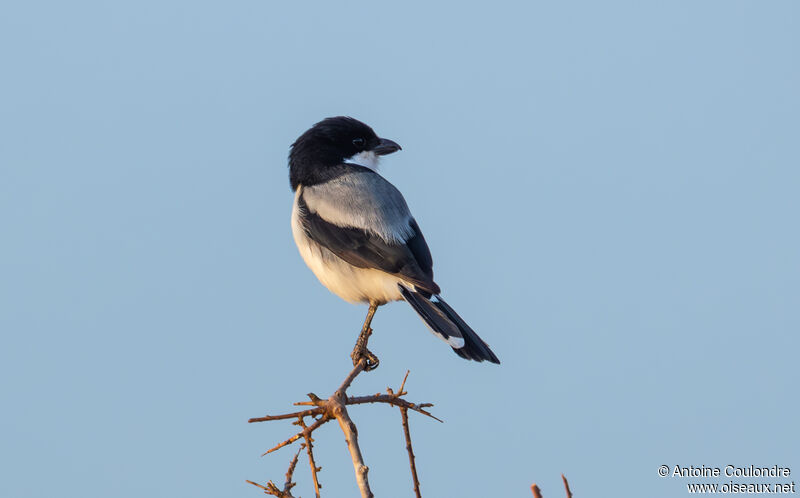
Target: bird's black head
pixel 317 153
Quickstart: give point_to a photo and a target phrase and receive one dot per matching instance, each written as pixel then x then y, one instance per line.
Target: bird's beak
pixel 386 146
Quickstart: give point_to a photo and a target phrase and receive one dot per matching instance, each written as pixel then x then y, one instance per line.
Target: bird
pixel 356 233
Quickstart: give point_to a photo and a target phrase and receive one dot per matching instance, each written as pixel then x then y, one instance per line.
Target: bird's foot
pixel 371 360
pixel 360 352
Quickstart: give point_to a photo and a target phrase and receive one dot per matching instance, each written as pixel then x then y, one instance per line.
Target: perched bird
pixel 356 233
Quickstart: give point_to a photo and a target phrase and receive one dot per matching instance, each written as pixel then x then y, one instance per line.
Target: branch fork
pixel 335 407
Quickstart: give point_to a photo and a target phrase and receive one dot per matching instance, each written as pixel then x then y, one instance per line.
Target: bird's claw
pixel 371 361
pixel 360 352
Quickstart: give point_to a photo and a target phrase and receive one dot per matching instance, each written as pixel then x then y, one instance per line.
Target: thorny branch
pixel 309 448
pixel 404 414
pixel 272 489
pixel 335 407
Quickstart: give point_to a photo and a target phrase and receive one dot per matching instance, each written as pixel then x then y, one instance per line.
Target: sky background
pixel 609 191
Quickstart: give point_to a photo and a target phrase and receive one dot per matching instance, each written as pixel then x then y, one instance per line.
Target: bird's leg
pixel 361 351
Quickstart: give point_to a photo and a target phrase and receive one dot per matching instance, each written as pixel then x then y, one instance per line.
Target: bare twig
pixel 272 489
pixel 352 375
pixel 400 391
pixel 404 414
pixel 288 485
pixel 269 489
pixel 537 493
pixel 304 413
pixel 337 406
pixel 309 448
pixel 566 486
pixel 307 430
pixel 392 400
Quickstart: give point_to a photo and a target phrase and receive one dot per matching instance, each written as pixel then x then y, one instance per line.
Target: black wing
pixel 410 260
pixel 419 248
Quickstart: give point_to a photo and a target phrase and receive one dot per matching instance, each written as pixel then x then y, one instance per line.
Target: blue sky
pixel 609 191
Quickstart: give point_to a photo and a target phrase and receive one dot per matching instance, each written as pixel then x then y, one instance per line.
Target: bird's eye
pixel 359 142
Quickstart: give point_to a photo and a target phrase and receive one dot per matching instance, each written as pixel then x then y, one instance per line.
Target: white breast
pixel 350 283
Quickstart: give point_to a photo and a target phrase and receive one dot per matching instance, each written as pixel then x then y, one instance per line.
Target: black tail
pixel 445 323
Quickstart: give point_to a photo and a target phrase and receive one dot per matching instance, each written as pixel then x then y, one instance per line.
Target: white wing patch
pixel 456 342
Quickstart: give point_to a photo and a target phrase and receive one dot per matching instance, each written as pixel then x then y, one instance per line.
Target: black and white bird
pixel 356 233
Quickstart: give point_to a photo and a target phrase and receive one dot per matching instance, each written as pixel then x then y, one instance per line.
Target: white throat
pixel 366 158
